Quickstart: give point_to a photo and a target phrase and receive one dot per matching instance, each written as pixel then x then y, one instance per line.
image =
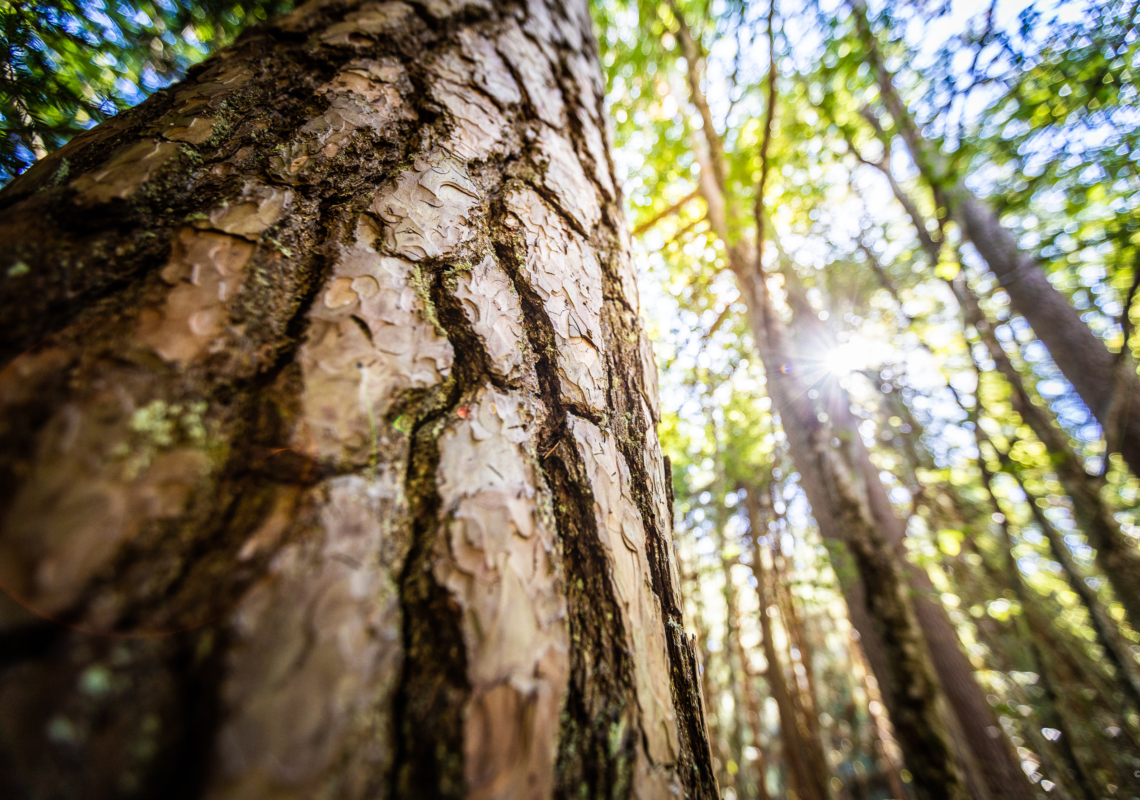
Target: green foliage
pixel 68 64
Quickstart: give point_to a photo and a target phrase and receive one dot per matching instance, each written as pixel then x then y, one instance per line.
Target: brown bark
pixel 1111 393
pixel 329 463
pixel 995 759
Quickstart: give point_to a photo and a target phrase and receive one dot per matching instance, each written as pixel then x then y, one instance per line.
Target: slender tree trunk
pixel 733 667
pixel 1053 717
pixel 1107 632
pixel 885 744
pixel 704 658
pixel 990 765
pixel 807 698
pixel 1085 490
pixel 1107 382
pixel 329 454
pixel 1116 555
pixel 753 712
pixel 750 776
pixel 807 766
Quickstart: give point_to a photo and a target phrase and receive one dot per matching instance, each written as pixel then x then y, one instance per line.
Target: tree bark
pixel 329 460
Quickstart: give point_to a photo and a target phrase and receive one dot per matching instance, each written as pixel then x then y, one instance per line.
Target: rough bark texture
pixel 327 432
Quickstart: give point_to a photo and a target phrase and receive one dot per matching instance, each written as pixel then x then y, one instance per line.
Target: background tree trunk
pixel 806 762
pixel 841 486
pixel 1115 554
pixel 329 463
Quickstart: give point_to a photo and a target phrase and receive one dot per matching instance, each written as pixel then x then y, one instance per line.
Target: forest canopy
pixel 69 65
pixel 889 257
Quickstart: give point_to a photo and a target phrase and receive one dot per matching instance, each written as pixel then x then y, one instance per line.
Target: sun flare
pixel 846 358
pixel 856 355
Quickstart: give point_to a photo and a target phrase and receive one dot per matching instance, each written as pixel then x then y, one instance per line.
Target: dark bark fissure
pixel 692 729
pixel 429 705
pixel 109 249
pixel 434 689
pixel 595 749
pixel 253 422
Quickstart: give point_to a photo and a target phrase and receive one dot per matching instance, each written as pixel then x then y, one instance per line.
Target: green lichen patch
pixel 160 426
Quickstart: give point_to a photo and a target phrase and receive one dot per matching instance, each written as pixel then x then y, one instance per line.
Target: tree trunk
pixel 1039 663
pixel 877 600
pixel 807 765
pixel 807 697
pixel 885 745
pixel 734 665
pixel 1116 650
pixel 839 482
pixel 759 767
pixel 1118 557
pixel 328 433
pixel 1111 393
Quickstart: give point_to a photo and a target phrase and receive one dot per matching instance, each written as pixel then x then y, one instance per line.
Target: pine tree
pixel 328 432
